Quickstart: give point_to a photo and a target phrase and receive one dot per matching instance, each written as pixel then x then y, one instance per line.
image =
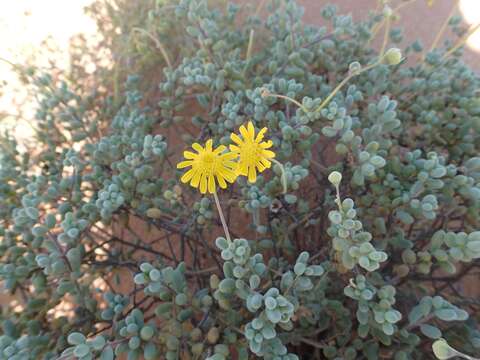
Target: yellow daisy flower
pixel 208 165
pixel 251 151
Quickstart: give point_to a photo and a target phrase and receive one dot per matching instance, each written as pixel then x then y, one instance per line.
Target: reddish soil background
pixel 418 20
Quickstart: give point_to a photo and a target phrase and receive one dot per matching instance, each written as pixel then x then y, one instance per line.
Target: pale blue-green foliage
pixel 369 163
pixel 153 146
pixel 341 112
pixel 204 207
pixel 351 243
pixel 255 198
pixel 341 122
pixel 12 178
pixel 221 352
pixel 242 269
pixel 448 248
pixel 21 348
pixel 87 349
pixel 172 197
pixel 109 200
pixel 98 195
pixel 140 336
pixel 381 121
pixel 164 282
pixel 72 228
pixel 260 332
pixel 382 118
pixel 421 261
pixel 277 308
pixel 425 207
pixel 445 250
pixel 261 194
pixel 57 261
pixel 244 273
pixel 383 311
pixel 169 285
pixel 375 308
pixel 72 158
pixel 18 270
pixel 131 151
pixel 116 304
pixel 434 307
pixel 274 349
pixel 431 170
pixel 294 174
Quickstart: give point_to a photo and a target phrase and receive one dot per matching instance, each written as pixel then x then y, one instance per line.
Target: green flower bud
pixel 354 67
pixel 335 178
pixel 387 11
pixel 393 56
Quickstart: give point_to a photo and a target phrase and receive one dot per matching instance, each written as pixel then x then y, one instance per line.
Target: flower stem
pixel 338 199
pixel 222 217
pixel 344 81
pixel 356 73
pixel 250 45
pixel 444 26
pixel 157 43
pixel 266 93
pixel 462 41
pixel 386 34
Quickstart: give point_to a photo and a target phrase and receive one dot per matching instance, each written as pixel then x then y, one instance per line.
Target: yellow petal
pixel 266 163
pixel 211 184
pixel 236 139
pixel 221 181
pixel 244 132
pixel 196 179
pixel 229 156
pixel 208 145
pixel 184 164
pixel 229 175
pixel 219 149
pixel 242 169
pixel 230 164
pixel 252 174
pixel 234 148
pixel 268 154
pixel 189 155
pixel 266 144
pixel 260 135
pixel 187 176
pixel 198 147
pixel 203 184
pixel 251 130
pixel 260 166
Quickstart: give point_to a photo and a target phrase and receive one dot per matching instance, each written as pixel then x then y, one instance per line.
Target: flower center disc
pixel 210 162
pixel 251 152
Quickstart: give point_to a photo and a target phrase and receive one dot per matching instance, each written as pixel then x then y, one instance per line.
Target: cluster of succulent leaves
pixel 105 253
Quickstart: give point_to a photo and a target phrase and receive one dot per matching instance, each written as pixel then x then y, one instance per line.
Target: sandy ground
pixel 24 27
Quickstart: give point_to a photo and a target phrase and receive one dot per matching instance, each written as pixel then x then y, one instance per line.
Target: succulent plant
pixel 350 217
